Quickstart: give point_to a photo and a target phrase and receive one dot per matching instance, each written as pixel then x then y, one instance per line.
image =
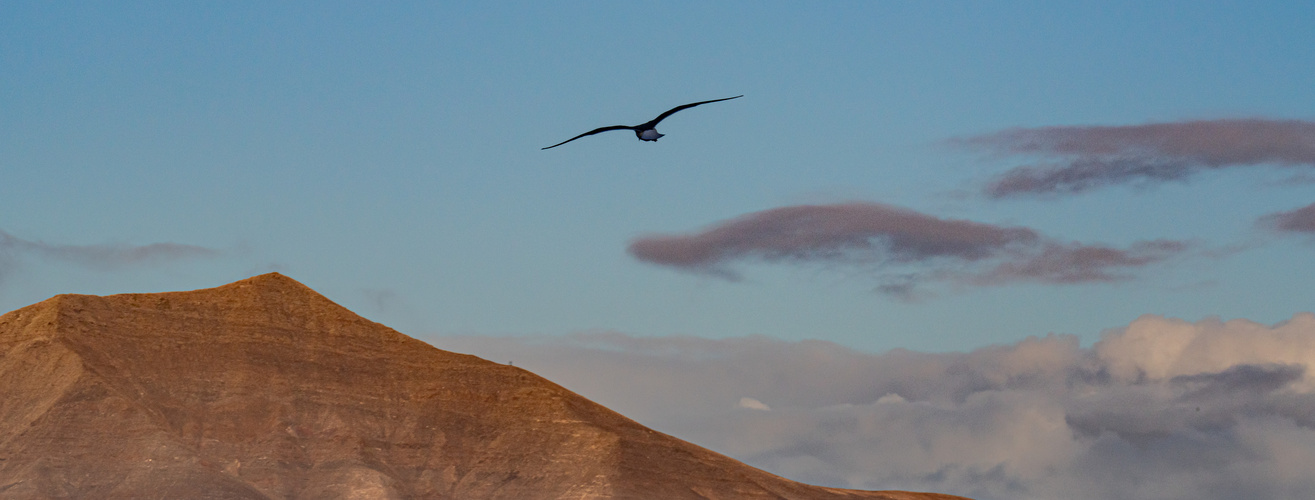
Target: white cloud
pixel 753 404
pixel 1159 348
pixel 1161 409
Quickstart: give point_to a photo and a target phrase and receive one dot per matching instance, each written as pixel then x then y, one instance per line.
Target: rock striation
pixel 264 389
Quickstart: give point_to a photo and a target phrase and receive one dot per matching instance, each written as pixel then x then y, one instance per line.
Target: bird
pixel 646 131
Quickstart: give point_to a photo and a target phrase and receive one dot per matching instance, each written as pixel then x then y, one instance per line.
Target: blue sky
pixel 911 197
pixel 389 156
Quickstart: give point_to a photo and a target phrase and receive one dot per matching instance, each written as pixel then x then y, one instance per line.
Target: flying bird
pixel 646 131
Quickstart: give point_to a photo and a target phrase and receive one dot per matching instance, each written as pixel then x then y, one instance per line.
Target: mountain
pixel 265 389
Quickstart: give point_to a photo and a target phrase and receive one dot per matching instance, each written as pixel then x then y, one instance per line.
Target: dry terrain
pixel 264 389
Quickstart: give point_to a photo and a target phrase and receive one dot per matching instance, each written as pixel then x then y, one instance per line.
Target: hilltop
pixel 265 389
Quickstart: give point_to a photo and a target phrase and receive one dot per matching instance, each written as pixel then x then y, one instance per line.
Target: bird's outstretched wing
pixel 673 111
pixel 592 132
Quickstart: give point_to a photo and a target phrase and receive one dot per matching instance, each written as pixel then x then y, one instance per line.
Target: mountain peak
pixel 265 389
pixel 266 289
pixel 272 280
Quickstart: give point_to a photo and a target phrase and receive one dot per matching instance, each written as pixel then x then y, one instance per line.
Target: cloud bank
pixel 97 257
pixel 1161 409
pixel 1080 158
pixel 920 247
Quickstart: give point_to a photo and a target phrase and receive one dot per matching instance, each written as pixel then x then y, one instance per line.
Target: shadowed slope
pixel 265 389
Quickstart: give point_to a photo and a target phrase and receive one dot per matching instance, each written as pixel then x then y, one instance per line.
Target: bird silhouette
pixel 646 131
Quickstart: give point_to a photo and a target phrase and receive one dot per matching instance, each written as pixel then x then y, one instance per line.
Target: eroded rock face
pixel 265 389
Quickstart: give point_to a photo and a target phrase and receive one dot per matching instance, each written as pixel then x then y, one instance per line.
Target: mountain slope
pixel 265 389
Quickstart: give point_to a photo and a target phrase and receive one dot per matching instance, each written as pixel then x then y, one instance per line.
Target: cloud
pixel 99 257
pixel 1301 220
pixel 1159 409
pixel 872 234
pixel 753 404
pixel 826 232
pixel 1080 158
pixel 1072 263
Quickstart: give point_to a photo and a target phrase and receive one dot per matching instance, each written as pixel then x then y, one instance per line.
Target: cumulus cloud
pixel 1080 158
pixel 921 246
pixel 1160 409
pixel 1301 220
pixel 99 257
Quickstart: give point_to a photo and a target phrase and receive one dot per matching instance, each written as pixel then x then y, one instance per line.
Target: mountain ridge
pixel 263 389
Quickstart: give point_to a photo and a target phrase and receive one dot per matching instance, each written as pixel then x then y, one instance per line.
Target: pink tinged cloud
pixel 934 249
pixel 1080 158
pixel 829 232
pixel 1073 263
pixel 1301 220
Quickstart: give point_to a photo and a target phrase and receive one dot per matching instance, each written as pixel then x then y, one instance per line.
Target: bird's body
pixel 646 131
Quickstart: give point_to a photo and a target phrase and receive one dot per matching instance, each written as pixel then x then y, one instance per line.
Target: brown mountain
pixel 265 389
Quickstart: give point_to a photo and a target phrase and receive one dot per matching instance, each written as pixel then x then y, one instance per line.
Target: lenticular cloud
pixel 831 232
pixel 1081 158
pixel 1160 409
pixel 913 248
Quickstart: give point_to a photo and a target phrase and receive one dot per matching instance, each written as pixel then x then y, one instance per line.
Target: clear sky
pixel 932 176
pixel 389 156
